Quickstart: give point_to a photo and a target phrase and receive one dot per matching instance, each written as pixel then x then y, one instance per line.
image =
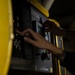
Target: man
pixel 66 58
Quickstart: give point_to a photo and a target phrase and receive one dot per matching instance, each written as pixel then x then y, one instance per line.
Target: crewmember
pixel 67 59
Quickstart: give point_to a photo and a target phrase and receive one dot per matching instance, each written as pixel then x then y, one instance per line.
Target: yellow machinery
pixel 40 7
pixel 6 35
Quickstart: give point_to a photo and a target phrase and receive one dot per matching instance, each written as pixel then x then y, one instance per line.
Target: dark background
pixel 63 11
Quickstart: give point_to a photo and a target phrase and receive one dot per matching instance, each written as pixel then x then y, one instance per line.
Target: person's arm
pixel 40 42
pixel 53 28
pixel 70 35
pixel 67 59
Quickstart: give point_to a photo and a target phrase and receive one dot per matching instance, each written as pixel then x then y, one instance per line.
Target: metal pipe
pixel 47 4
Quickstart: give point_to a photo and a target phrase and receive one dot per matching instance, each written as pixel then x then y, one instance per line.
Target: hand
pixel 37 40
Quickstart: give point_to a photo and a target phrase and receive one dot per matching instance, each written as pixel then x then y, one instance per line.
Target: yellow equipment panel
pixel 6 35
pixel 40 7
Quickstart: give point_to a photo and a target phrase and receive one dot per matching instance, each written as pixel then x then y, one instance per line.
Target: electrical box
pixel 24 55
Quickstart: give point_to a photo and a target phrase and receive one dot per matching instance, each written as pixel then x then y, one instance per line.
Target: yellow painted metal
pixel 39 7
pixel 53 20
pixel 59 67
pixel 6 35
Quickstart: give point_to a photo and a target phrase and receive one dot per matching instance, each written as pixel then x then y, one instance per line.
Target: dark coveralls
pixel 69 62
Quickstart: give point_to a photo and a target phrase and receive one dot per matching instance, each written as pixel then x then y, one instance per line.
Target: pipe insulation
pixel 47 4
